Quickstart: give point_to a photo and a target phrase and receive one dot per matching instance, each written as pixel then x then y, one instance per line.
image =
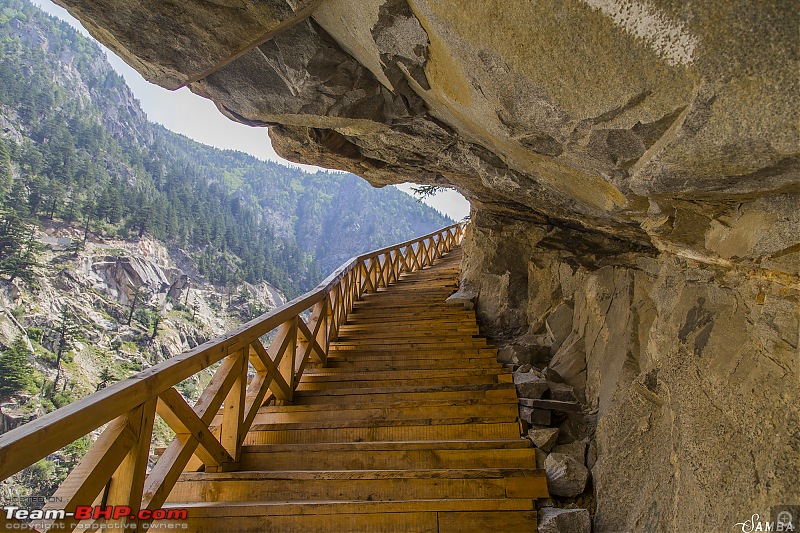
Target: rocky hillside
pixel 127 305
pixel 76 146
pixel 633 172
pixel 90 317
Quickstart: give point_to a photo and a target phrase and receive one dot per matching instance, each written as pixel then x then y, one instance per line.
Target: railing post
pixel 233 408
pixel 289 359
pixel 127 483
pixel 321 314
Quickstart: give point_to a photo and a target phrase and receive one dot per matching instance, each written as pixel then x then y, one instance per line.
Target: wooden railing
pixel 114 470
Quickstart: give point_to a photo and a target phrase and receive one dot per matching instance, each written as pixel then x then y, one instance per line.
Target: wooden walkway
pixel 411 426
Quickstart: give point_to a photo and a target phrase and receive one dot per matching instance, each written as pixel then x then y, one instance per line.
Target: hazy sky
pixel 184 112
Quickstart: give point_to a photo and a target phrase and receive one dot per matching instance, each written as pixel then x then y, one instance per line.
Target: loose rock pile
pixel 562 434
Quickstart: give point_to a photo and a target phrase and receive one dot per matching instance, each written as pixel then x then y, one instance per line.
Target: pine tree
pixel 5 168
pixel 16 371
pixel 66 328
pixel 18 246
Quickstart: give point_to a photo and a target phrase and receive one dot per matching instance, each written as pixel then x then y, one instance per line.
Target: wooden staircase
pixel 411 426
pixel 365 404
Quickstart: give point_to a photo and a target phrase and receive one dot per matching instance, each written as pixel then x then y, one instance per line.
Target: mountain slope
pixel 81 149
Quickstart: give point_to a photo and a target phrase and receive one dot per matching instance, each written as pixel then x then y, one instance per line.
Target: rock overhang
pixel 665 126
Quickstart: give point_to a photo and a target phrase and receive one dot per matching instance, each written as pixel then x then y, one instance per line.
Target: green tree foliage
pixel 6 176
pixel 18 245
pixel 65 330
pixel 90 157
pixel 16 371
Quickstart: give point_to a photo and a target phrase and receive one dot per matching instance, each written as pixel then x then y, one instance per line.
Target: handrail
pixel 117 461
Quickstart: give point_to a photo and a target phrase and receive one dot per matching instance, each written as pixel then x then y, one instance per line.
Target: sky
pixel 184 112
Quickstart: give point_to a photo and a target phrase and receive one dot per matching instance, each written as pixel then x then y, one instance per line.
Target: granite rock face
pixel 692 372
pixel 634 172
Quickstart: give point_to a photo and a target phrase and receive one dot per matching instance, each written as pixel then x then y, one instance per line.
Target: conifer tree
pixel 16 371
pixel 5 168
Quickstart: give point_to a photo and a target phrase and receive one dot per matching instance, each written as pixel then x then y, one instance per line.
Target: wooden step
pixel 371 418
pixel 359 318
pixel 360 485
pixel 399 339
pixel 414 324
pixel 409 393
pixel 457 380
pixel 396 306
pixel 364 365
pixel 279 417
pixel 417 516
pixel 407 312
pixel 413 353
pixel 487 356
pixel 503 453
pixel 334 374
pixel 443 334
pixel 418 344
pixel 391 402
pixel 459 429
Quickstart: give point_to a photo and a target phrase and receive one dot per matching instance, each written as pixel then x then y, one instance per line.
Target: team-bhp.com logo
pixel 783 521
pixel 88 512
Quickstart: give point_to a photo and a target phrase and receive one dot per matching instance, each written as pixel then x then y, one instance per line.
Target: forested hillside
pixel 75 146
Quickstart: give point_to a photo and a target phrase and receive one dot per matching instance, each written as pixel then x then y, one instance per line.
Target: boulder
pixel 524 354
pixel 555 520
pixel 576 450
pixel 536 417
pixel 561 392
pixel 529 385
pixel 463 298
pixel 514 355
pixel 543 438
pixel 577 426
pixel 565 475
pixel 552 375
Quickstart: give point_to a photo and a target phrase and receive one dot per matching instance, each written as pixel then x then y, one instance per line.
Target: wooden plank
pixel 90 476
pixel 367 395
pixel 127 483
pixel 434 454
pixel 333 508
pixel 377 522
pixel 358 485
pixel 285 359
pixel 256 393
pixel 174 410
pixel 378 416
pixel 553 405
pixel 233 409
pixel 278 384
pixel 482 521
pixel 423 431
pixel 172 462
